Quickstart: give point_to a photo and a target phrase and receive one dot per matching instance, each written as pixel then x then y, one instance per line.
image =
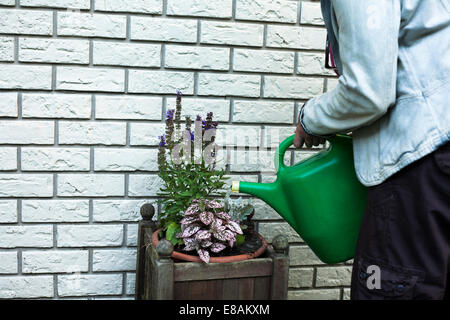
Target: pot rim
pixel 235 258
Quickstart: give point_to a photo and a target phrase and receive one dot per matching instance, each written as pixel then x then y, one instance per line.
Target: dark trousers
pixel 403 244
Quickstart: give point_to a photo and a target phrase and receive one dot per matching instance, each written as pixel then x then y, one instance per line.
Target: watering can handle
pixel 279 154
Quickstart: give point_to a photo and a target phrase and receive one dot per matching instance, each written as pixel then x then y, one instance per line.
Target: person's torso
pixel 419 122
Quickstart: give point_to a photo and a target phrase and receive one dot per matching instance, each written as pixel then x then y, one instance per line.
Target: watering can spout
pixel 268 192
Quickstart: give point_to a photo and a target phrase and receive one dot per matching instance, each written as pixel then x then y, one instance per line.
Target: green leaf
pixel 240 238
pixel 171 232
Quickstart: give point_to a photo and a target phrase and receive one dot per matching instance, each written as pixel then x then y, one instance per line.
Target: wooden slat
pixel 246 288
pixel 262 288
pixel 242 269
pixel 181 290
pixel 230 289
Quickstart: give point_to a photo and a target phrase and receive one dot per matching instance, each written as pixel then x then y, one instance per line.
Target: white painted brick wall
pixel 84 87
pixel 41 105
pixel 53 51
pixel 8 104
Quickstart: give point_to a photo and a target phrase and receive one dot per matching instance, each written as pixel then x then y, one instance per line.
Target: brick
pixel 346 295
pixel 333 276
pixel 128 107
pixel 269 230
pixel 55 211
pixel 146 134
pixel 201 8
pixel 312 63
pixel 79 285
pixel 267 10
pixel 138 6
pixel 198 106
pixel 234 135
pixel 114 260
pixel 300 155
pixel 130 283
pixel 8 211
pixel 26 132
pixel 36 22
pixel 70 106
pixel 7 49
pixel 89 235
pixel 142 185
pixel 53 50
pixel 26 236
pixel 263 211
pixel 107 159
pixel 127 54
pixel 90 185
pixel 55 159
pixel 292 87
pixel 205 58
pixel 149 81
pixel 26 77
pixel 162 29
pixel 71 4
pixel 232 33
pixel 8 158
pixel 315 294
pixel 8 104
pixel 7 2
pixel 54 261
pixel 294 37
pixel 263 111
pixel 272 136
pixel 89 133
pixel 229 85
pixel 91 25
pixel 117 210
pixel 311 13
pixel 303 256
pixel 9 262
pixel 263 61
pixel 301 277
pixel 261 161
pixel 22 287
pixel 26 185
pixel 132 235
pixel 90 79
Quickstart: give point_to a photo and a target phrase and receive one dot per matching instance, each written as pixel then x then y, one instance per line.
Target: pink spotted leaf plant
pixel 207 228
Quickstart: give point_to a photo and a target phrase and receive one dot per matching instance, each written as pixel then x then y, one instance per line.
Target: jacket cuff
pixel 304 126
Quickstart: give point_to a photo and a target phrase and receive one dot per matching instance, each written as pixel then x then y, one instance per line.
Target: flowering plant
pixel 184 179
pixel 207 228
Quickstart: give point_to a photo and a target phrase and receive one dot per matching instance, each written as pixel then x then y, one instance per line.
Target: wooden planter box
pixel 158 277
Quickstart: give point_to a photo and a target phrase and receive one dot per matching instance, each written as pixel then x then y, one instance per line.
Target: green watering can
pixel 320 197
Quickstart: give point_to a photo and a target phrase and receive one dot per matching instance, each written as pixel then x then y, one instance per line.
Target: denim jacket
pixel 393 92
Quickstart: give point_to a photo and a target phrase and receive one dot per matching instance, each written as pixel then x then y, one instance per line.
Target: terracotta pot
pixel 188 257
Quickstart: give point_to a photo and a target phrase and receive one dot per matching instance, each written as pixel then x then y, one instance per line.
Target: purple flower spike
pixel 169 114
pixel 199 118
pixel 162 140
pixel 179 94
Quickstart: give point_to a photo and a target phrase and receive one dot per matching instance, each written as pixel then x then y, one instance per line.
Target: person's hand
pixel 301 137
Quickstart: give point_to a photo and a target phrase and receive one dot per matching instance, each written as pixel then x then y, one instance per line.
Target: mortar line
pixel 16 49
pixel 55 24
pixel 91 53
pixel 299 13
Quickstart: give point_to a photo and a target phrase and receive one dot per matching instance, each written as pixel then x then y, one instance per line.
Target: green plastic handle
pixel 279 154
pixel 282 148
